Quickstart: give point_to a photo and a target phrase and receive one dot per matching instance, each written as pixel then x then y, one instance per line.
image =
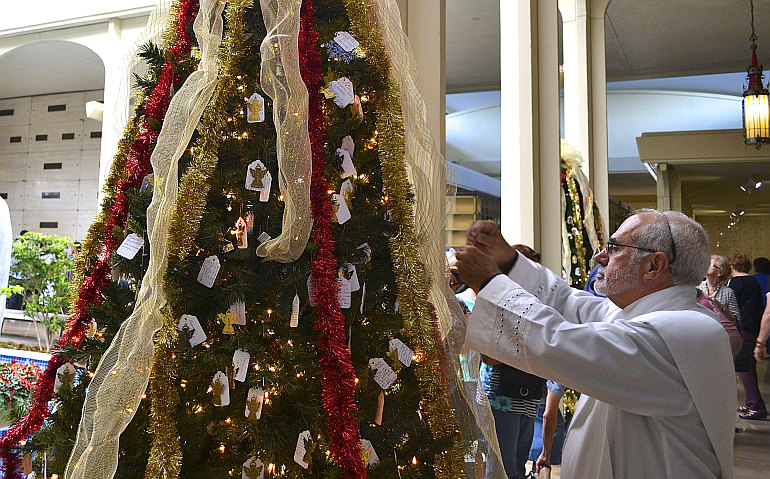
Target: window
pixel 67 136
pixel 41 137
pixel 49 224
pixel 51 195
pixel 52 166
pixel 57 107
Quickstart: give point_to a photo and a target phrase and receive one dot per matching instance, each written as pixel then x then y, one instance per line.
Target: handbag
pixel 517 384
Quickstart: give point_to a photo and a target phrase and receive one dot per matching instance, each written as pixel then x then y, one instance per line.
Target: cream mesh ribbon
pixel 572 158
pixel 121 377
pixel 281 80
pixel 427 171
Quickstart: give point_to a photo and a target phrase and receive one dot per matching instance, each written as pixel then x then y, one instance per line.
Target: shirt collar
pixel 673 298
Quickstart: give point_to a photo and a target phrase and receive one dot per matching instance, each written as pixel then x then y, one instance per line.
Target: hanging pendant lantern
pixel 756 104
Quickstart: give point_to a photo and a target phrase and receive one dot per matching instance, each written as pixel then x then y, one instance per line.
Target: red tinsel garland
pixel 138 166
pixel 338 382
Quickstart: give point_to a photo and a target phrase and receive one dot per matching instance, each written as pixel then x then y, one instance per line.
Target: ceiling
pixel 646 42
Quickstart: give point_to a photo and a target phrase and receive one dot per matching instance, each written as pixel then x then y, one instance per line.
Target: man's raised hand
pixel 486 236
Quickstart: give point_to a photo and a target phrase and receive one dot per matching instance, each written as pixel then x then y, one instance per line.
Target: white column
pixel 598 154
pixel 517 144
pixel 425 25
pixel 112 81
pixel 530 126
pixel 585 90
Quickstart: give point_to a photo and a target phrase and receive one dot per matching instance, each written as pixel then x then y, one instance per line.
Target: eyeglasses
pixel 716 267
pixel 613 248
pixel 673 245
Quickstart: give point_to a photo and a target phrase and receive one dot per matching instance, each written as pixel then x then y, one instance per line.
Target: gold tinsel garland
pixel 577 208
pixel 408 269
pixel 165 455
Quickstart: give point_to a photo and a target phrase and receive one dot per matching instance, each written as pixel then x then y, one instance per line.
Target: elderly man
pixel 654 369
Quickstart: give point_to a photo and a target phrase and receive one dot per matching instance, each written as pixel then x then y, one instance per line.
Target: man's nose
pixel 602 257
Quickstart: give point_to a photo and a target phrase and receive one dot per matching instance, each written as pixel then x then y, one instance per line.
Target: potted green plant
pixel 41 264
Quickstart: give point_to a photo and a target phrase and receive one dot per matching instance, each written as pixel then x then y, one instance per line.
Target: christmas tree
pixel 263 291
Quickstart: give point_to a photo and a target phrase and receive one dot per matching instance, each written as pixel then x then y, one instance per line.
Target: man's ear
pixel 657 265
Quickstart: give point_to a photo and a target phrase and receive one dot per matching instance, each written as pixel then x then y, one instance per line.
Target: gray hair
pixel 689 238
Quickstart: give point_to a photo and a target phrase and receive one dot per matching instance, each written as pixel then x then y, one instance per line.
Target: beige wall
pixel 49 162
pixel 750 236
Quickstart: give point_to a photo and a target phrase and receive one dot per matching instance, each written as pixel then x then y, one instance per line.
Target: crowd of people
pixel 652 344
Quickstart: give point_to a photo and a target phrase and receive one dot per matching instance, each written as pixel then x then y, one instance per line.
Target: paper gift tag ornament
pixel 294 322
pixel 383 374
pixel 240 364
pixel 346 41
pixel 221 389
pixel 367 452
pixel 349 272
pixel 209 271
pixel 130 246
pixel 344 295
pixel 239 310
pixel 348 145
pixel 255 105
pixel 191 333
pixel 348 168
pixel 64 375
pixel 302 452
pixel 241 236
pixel 341 210
pixel 254 176
pixel 403 352
pixel 310 291
pixel 253 469
pixel 343 92
pixel 254 400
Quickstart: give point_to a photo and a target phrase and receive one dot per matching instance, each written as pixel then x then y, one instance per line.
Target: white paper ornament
pixel 343 212
pixel 383 373
pixel 239 310
pixel 404 352
pixel 348 145
pixel 370 456
pixel 220 386
pixel 254 401
pixel 191 330
pixel 346 41
pixel 240 364
pixel 267 181
pixel 255 105
pixel 300 450
pixel 209 271
pixel 348 168
pixel 130 246
pixel 343 92
pixel 65 374
pixel 255 174
pixel 253 469
pixel 294 322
